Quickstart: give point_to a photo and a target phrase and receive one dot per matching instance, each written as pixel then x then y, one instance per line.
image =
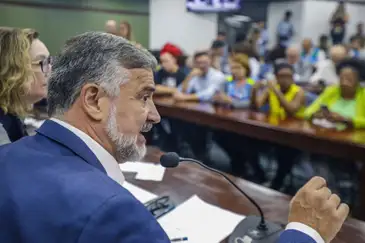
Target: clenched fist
pixel 314 205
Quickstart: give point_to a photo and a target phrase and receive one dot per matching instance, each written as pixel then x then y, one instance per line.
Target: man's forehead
pixel 141 77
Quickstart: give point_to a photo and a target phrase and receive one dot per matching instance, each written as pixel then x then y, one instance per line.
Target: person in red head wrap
pixel 170 76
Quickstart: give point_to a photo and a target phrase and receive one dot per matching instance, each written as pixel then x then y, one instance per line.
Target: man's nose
pixel 153 115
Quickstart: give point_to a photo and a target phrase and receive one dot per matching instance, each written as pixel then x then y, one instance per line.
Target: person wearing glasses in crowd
pixel 25 64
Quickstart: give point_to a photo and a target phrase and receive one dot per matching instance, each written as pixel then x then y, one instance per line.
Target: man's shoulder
pixel 62 189
pixel 54 169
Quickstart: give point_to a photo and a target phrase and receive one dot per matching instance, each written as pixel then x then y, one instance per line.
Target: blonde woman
pixel 24 66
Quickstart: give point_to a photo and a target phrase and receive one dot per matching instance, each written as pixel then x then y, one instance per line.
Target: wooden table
pixel 188 179
pixel 301 134
pixel 292 132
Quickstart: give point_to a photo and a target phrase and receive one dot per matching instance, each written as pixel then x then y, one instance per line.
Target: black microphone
pixel 251 229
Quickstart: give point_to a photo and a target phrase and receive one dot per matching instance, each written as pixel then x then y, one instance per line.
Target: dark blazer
pixel 13 126
pixel 54 189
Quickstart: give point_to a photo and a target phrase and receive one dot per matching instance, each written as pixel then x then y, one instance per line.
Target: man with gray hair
pixel 64 183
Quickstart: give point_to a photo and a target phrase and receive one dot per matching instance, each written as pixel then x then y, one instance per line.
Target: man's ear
pixel 93 101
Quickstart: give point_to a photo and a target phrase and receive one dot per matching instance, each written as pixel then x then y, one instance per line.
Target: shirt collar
pixel 109 163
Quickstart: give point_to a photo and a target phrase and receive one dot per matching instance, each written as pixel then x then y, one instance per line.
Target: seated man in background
pixel 170 76
pixel 302 69
pixel 343 103
pixel 326 70
pixel 200 85
pixel 285 99
pixel 311 54
pixel 203 81
pixel 237 90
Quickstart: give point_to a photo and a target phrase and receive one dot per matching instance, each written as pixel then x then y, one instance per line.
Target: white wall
pixel 170 22
pixel 311 18
pixel 275 13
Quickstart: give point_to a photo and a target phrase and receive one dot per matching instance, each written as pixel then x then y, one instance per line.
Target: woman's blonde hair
pixel 243 60
pixel 15 69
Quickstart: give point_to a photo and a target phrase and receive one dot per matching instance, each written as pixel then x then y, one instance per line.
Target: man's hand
pixel 195 72
pixel 315 206
pixel 221 97
pixel 258 85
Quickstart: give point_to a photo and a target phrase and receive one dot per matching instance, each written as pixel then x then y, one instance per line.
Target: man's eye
pixel 145 98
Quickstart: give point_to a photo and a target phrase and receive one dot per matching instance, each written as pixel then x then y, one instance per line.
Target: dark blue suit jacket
pixel 294 236
pixel 54 189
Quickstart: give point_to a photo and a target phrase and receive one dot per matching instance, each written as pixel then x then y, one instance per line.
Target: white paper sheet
pixel 131 166
pixel 145 171
pixel 199 221
pixel 142 195
pixel 324 123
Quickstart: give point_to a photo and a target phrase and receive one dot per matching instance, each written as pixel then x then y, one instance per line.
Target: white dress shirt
pixel 326 70
pixel 109 163
pixel 206 86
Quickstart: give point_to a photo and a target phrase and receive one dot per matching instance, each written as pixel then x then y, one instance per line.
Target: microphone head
pixel 170 160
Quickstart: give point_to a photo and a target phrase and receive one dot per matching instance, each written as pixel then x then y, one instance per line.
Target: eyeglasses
pixel 160 206
pixel 45 64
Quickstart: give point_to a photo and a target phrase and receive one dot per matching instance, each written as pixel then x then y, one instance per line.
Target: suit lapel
pixel 65 137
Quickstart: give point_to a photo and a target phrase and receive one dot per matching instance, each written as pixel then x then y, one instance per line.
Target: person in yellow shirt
pixel 285 99
pixel 343 103
pixel 283 96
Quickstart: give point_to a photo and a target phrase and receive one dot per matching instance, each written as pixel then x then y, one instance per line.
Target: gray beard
pixel 126 146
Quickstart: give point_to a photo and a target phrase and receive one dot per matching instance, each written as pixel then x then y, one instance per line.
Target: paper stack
pixel 200 222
